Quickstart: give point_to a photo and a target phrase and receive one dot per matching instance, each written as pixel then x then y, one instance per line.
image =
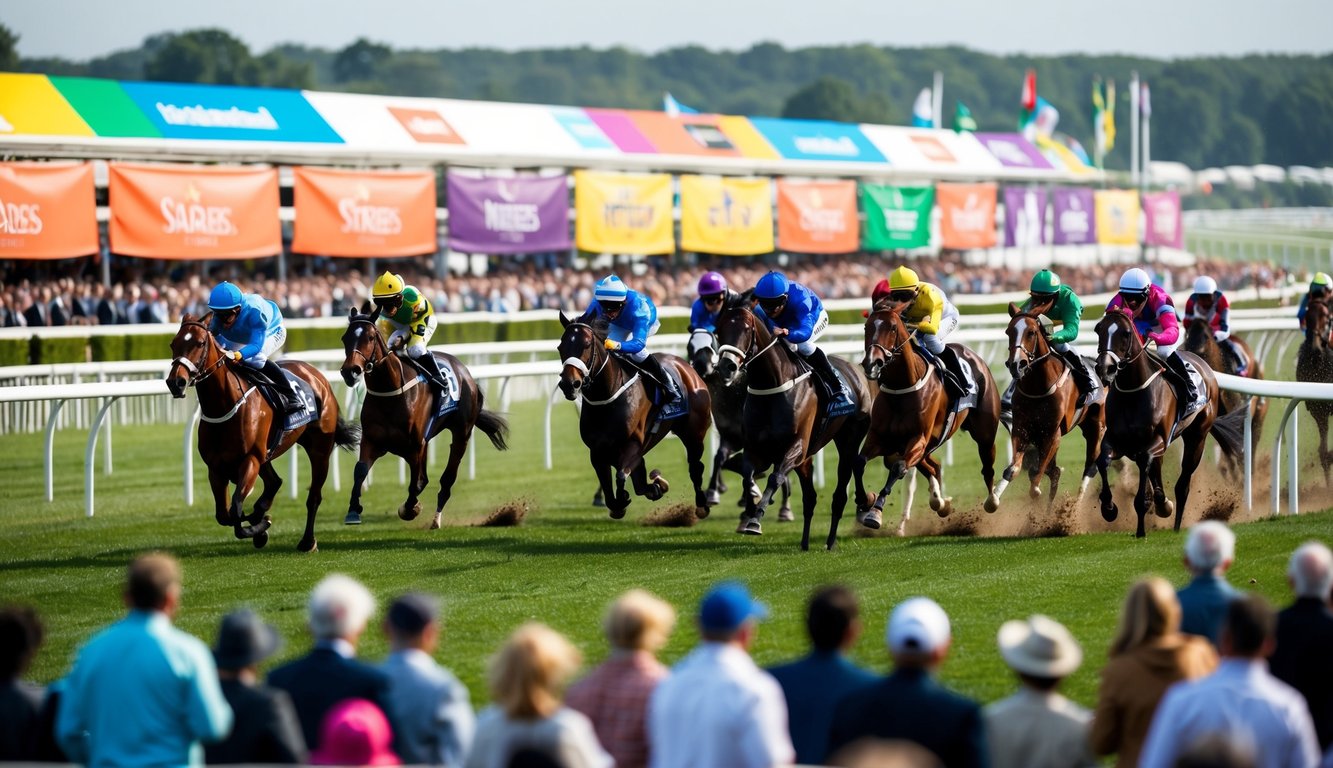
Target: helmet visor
pixel 774 305
pixel 611 307
pixel 712 299
pixel 1134 298
pixel 902 294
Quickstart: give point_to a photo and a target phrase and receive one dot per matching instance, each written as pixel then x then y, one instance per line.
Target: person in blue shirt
pixel 713 296
pixel 250 328
pixel 1319 291
pixel 631 318
pixel 794 312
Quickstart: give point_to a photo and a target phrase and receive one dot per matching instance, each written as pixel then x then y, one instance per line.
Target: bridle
pixel 1118 364
pixel 382 350
pixel 196 375
pixel 890 354
pixel 1030 357
pixel 589 375
pixel 741 357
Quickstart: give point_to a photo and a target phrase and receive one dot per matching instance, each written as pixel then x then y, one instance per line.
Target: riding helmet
pixel 1204 286
pixel 774 285
pixel 903 279
pixel 1321 279
pixel 387 286
pixel 224 296
pixel 610 288
pixel 712 283
pixel 1044 283
pixel 1135 281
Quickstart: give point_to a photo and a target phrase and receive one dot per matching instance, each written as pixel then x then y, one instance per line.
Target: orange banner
pixel 194 212
pixel 47 211
pixel 817 217
pixel 967 215
pixel 364 213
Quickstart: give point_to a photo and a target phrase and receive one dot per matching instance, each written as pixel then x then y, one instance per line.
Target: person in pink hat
pixel 355 732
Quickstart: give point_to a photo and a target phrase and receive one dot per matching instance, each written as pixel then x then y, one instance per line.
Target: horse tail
pixel 1229 430
pixel 495 427
pixel 347 435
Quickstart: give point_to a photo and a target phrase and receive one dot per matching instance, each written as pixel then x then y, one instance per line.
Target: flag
pixel 962 118
pixel 1109 116
pixel 1074 146
pixel 1098 122
pixel 1145 104
pixel 675 108
pixel 1028 101
pixel 923 114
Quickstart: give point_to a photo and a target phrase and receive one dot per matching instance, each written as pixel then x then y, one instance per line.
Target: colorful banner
pixel 1072 216
pixel 733 217
pixel 106 107
pixel 525 214
pixel 1163 225
pixel 1024 216
pixel 186 111
pixel 817 140
pixel 194 211
pixel 967 215
pixel 30 104
pixel 817 217
pixel 47 211
pixel 623 213
pixel 896 217
pixel 684 135
pixel 364 213
pixel 1117 216
pixel 1013 151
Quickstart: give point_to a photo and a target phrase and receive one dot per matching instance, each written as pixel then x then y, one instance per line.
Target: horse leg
pixel 694 455
pixel 367 460
pixel 943 505
pixel 909 495
pixel 784 512
pixel 1019 443
pixel 1109 510
pixel 272 482
pixel 750 525
pixel 714 496
pixel 1188 463
pixel 847 459
pixel 1048 466
pixel 985 452
pixel 450 474
pixel 1321 422
pixel 1093 434
pixel 614 505
pixel 319 456
pixel 245 482
pixel 874 516
pixel 805 472
pixel 416 482
pixel 1161 504
pixel 219 482
pixel 1141 496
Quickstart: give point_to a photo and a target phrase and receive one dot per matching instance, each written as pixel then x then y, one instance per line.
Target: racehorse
pixel 399 417
pixel 911 415
pixel 783 420
pixel 1314 362
pixel 1045 399
pixel 728 405
pixel 235 431
pixel 618 420
pixel 1199 340
pixel 1141 421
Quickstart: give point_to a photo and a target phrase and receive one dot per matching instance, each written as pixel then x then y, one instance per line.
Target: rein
pixel 589 376
pixel 197 376
pixel 1032 360
pixel 890 355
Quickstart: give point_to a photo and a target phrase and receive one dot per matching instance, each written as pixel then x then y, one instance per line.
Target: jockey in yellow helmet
pixel 934 317
pixel 407 321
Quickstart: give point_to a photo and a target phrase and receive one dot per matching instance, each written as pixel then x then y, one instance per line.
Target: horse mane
pixel 886 304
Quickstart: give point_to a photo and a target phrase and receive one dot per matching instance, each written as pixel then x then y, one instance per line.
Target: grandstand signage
pixel 817 140
pixel 686 135
pixel 581 128
pixel 967 215
pixel 623 213
pixel 896 217
pixel 181 111
pixel 1072 216
pixel 1117 216
pixel 1162 219
pixel 1013 151
pixel 30 104
pixel 508 215
pixel 1024 216
pixel 620 129
pixel 194 212
pixel 426 126
pixel 817 217
pixel 364 213
pixel 47 211
pixel 732 217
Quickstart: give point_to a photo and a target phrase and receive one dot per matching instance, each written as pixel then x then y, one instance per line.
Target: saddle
pixel 305 395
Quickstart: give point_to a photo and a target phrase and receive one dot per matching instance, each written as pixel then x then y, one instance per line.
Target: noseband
pixel 890 354
pixel 368 364
pixel 577 362
pixel 197 375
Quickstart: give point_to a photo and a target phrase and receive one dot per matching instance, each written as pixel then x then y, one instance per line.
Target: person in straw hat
pixel 1037 727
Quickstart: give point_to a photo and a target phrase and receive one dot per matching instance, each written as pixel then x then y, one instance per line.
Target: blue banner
pixel 817 140
pixel 577 123
pixel 183 111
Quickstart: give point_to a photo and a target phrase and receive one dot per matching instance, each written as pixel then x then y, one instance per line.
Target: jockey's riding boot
pixel 431 365
pixel 667 385
pixel 954 382
pixel 290 402
pixel 1082 376
pixel 1007 403
pixel 819 363
pixel 1176 365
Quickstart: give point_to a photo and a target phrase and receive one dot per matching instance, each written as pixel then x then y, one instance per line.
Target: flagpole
pixel 1098 131
pixel 1147 120
pixel 1134 128
pixel 937 96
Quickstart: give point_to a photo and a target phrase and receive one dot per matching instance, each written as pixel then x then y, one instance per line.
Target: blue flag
pixel 675 108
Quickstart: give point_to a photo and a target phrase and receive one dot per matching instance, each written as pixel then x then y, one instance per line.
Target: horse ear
pixel 1013 309
pixel 187 318
pixel 564 321
pixel 351 313
pixel 747 297
pixel 206 319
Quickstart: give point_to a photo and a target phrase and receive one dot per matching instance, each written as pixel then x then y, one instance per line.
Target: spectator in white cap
pixel 1305 636
pixel 718 709
pixel 1037 727
pixel 909 704
pixel 1210 549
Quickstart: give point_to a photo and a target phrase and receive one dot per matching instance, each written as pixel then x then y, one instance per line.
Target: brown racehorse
pixel 1314 363
pixel 783 423
pixel 235 426
pixel 1141 418
pixel 911 412
pixel 618 419
pixel 396 416
pixel 1199 340
pixel 1044 409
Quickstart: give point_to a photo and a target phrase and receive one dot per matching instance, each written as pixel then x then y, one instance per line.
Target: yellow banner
pixel 623 213
pixel 1117 216
pixel 733 217
pixel 30 104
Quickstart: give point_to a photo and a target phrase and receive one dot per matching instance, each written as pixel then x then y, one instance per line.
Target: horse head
pixel 580 349
pixel 1317 325
pixel 1028 343
pixel 886 337
pixel 363 344
pixel 737 338
pixel 195 354
pixel 1117 343
pixel 702 349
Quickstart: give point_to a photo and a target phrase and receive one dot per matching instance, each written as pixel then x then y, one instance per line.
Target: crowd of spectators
pixel 143 692
pixel 323 290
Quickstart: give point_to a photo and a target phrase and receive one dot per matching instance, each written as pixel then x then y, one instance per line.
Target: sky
pixel 1164 29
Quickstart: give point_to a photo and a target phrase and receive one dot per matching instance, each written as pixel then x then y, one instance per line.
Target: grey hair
pixel 1210 545
pixel 339 606
pixel 1311 570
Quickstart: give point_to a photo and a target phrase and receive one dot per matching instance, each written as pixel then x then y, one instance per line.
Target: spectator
pixel 528 718
pixel 1217 751
pixel 355 732
pixel 1037 727
pixel 266 729
pixel 1209 550
pixel 430 706
pixel 21 634
pixel 1305 636
pixel 615 695
pixel 815 684
pixel 876 753
pixel 337 613
pixel 1148 654
pixel 141 691
pixel 909 704
pixel 717 708
pixel 1241 700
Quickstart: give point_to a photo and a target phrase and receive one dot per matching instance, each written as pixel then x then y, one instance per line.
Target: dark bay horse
pixel 397 416
pixel 618 419
pixel 1141 418
pixel 783 422
pixel 1199 340
pixel 235 427
pixel 1045 399
pixel 911 418
pixel 1314 362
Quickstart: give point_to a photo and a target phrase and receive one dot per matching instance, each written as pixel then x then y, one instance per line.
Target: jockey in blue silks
pixel 793 311
pixel 250 328
pixel 713 296
pixel 632 318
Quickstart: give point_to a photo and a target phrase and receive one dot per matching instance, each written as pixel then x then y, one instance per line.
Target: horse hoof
pixel 352 518
pixel 616 513
pixel 1165 508
pixel 721 485
pixel 1034 492
pixel 872 519
pixel 597 500
pixel 260 539
pixel 434 523
pixel 992 503
pixel 946 508
pixel 700 513
pixel 307 546
pixel 752 527
pixel 661 482
pixel 409 514
pixel 713 498
pixel 785 515
pixel 1110 513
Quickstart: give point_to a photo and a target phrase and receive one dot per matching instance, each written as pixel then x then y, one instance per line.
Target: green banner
pixel 896 217
pixel 105 106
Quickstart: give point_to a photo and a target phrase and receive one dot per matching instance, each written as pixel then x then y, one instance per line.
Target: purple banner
pixel 1074 220
pixel 1013 151
pixel 1163 219
pixel 1024 216
pixel 525 214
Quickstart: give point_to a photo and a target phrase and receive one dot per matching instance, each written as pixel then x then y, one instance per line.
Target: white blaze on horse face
pixel 188 337
pixel 357 332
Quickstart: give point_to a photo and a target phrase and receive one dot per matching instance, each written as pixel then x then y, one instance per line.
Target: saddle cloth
pixel 445 402
pixel 1202 398
pixel 305 394
pixel 840 406
pixel 681 406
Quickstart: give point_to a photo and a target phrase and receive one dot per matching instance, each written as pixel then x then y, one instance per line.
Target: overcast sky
pixel 82 29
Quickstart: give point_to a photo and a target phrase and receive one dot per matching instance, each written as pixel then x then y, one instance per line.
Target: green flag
pixel 896 217
pixel 962 118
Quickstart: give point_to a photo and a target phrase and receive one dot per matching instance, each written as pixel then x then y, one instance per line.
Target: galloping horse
pixel 782 419
pixel 1141 418
pixel 235 431
pixel 1199 340
pixel 400 417
pixel 911 415
pixel 1044 409
pixel 1314 362
pixel 618 420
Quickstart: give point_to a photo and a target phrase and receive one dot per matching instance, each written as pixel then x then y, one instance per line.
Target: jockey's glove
pixel 235 355
pixel 612 344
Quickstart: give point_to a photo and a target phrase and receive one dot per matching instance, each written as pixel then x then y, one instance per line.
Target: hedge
pixel 62 350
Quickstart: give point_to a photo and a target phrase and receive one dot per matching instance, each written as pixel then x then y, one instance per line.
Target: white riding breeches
pixel 616 333
pixel 934 342
pixel 271 345
pixel 807 347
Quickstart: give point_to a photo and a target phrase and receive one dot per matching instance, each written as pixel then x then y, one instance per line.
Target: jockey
pixel 407 321
pixel 1319 291
pixel 632 318
pixel 1209 305
pixel 1059 302
pixel 1155 318
pixel 713 296
pixel 934 317
pixel 792 311
pixel 249 327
